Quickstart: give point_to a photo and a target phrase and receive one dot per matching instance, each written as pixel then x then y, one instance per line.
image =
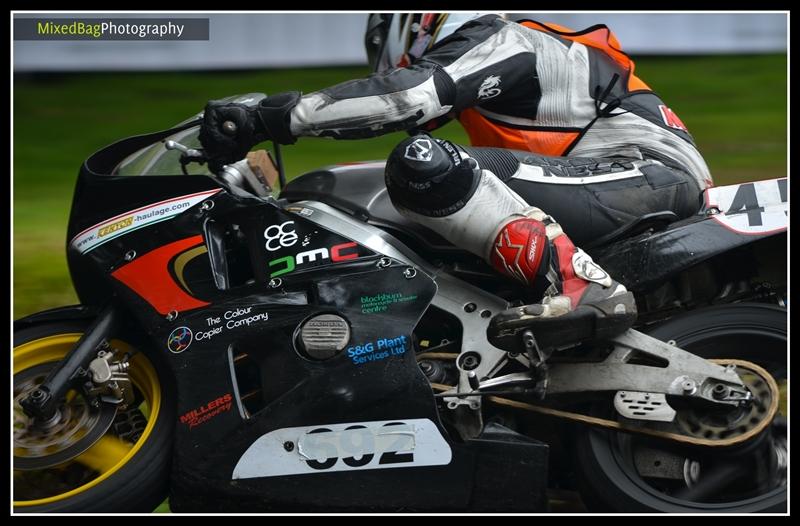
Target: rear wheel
pixel 627 473
pixel 94 459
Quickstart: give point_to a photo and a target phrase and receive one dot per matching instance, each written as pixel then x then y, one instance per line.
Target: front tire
pixel 127 470
pixel 609 477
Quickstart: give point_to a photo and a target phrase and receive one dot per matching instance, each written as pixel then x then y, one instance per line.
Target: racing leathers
pixel 602 149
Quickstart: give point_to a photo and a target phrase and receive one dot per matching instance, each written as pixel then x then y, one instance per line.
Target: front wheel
pixel 126 467
pixel 625 473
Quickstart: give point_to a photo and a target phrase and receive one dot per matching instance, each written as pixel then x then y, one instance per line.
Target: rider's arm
pixel 448 78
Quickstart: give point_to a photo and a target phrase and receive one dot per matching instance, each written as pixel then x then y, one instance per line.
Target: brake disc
pixel 75 427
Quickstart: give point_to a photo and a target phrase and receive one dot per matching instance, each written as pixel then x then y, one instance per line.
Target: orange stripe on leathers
pixel 601 39
pixel 483 132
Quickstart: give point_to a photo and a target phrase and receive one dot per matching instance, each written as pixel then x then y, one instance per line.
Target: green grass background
pixel 735 106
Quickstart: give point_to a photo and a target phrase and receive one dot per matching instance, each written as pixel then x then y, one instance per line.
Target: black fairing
pixel 243 304
pixel 99 195
pixel 645 261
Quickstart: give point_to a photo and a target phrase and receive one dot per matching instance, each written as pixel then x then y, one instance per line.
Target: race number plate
pixel 760 207
pixel 381 444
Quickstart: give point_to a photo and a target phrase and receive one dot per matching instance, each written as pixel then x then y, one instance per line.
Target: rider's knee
pixel 428 176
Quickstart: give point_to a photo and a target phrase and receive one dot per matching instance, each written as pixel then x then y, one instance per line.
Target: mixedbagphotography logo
pixel 45 28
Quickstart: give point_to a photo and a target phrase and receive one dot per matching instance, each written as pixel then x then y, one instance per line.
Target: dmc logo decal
pixel 179 339
pixel 280 236
pixel 337 253
pixel 489 88
pixel 420 150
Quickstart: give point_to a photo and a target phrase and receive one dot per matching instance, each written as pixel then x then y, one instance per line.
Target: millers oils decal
pixel 207 411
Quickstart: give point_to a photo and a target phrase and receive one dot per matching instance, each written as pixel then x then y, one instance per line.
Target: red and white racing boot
pixel 581 303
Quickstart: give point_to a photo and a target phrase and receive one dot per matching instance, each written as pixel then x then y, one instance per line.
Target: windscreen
pixel 157 160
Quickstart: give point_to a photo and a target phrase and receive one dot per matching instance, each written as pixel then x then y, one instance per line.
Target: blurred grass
pixel 736 108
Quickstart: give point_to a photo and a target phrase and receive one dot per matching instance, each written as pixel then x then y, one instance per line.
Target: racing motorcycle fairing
pixel 224 282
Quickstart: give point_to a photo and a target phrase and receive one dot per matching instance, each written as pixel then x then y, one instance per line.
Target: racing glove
pixel 230 129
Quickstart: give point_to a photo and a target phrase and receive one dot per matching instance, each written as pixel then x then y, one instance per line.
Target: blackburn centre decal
pixel 381 302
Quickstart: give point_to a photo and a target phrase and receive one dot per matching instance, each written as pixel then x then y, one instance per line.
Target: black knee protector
pixel 429 177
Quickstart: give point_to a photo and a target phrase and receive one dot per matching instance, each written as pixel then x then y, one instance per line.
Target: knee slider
pixel 428 176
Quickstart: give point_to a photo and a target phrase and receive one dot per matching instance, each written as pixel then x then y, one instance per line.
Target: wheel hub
pixel 74 428
pixel 731 423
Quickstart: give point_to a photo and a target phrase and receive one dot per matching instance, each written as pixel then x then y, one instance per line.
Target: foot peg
pixel 555 325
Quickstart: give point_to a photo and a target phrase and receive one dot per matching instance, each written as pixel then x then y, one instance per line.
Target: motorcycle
pixel 235 351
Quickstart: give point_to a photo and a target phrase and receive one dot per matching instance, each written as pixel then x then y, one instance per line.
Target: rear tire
pixel 610 482
pixel 136 481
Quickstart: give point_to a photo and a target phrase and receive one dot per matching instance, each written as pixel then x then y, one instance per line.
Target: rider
pixel 569 127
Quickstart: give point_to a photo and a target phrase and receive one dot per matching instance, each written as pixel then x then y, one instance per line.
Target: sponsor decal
pixel 489 88
pixel 230 320
pixel 378 350
pixel 760 207
pixel 336 254
pixel 127 222
pixel 420 150
pixel 670 119
pixel 532 248
pixel 180 339
pixel 207 411
pixel 384 444
pixel 113 227
pixel 381 302
pixel 280 236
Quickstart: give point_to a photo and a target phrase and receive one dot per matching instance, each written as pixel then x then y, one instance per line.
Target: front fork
pixel 42 403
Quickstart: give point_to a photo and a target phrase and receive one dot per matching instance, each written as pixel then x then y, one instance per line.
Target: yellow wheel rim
pixel 109 454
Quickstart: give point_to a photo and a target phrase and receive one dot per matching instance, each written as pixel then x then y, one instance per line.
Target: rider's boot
pixel 581 301
pixel 438 185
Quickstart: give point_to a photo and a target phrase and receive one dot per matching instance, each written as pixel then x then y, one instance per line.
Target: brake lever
pixel 188 155
pixel 185 152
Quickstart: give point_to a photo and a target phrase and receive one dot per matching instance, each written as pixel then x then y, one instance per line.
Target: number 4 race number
pixel 759 207
pixel 344 447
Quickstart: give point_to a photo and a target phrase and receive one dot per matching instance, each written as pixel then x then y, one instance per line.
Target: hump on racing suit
pixel 590 104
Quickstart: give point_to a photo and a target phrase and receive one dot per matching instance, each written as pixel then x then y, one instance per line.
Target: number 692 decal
pixel 344 447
